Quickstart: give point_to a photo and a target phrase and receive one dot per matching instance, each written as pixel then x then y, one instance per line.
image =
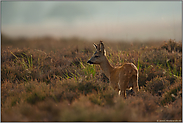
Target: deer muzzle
pixel 89 62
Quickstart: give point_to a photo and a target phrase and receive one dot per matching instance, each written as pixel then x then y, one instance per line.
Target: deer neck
pixel 106 67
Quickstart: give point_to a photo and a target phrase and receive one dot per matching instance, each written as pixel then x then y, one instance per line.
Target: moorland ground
pixel 46 79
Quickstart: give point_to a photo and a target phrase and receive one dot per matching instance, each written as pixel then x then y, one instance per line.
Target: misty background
pixel 112 20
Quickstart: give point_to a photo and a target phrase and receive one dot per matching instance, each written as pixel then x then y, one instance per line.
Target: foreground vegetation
pixel 45 79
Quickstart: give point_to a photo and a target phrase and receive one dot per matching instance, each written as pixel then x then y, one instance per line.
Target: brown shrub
pixel 172 93
pixel 172 112
pixel 156 85
pixel 171 45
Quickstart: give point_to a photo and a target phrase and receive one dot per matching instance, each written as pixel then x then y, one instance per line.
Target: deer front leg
pixel 123 88
pixel 119 88
pixel 114 86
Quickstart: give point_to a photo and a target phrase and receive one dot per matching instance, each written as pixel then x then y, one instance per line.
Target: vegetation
pixel 46 79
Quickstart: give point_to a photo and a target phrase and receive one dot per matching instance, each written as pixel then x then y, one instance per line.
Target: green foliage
pixel 89 70
pixel 23 60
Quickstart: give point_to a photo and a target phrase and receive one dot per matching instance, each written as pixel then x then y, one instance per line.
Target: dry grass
pixel 44 79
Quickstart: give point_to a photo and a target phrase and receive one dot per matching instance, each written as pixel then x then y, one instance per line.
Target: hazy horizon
pixel 113 20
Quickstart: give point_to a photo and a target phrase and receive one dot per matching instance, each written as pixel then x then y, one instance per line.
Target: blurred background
pixel 102 20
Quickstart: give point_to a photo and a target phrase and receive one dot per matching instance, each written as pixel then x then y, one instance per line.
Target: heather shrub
pixel 147 74
pixel 156 85
pixel 172 93
pixel 163 59
pixel 172 46
pixel 171 78
pixel 172 112
pixel 144 104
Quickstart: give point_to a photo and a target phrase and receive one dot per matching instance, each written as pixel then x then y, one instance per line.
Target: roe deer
pixel 121 77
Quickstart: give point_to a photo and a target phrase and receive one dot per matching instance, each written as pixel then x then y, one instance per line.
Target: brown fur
pixel 121 77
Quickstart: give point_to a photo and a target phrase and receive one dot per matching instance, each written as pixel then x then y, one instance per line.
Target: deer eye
pixel 96 56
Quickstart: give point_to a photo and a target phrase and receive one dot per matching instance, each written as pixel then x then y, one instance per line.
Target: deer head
pixel 99 56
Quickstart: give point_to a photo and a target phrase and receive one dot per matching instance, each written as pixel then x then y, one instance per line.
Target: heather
pixel 47 79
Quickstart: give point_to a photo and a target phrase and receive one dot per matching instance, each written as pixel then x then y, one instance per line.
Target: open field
pixel 44 79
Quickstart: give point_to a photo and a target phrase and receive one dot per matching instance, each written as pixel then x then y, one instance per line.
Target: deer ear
pixel 102 47
pixel 98 47
pixel 95 45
